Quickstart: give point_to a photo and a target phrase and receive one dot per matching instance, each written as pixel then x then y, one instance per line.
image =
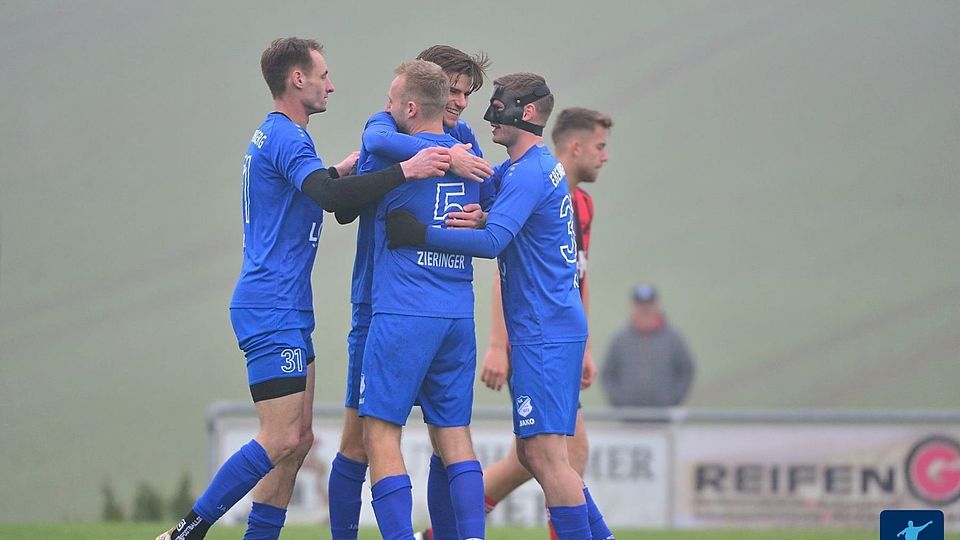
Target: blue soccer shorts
pixel 545 387
pixel 278 349
pixel 356 342
pixel 423 360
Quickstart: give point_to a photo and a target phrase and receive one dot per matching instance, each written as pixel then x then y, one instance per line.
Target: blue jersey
pixel 410 281
pixel 531 230
pixel 281 225
pixel 538 270
pixel 382 141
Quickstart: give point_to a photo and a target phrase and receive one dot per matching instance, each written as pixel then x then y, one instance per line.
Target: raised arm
pixel 380 137
pixel 338 194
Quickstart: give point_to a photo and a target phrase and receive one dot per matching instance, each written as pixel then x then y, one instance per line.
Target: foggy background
pixel 786 173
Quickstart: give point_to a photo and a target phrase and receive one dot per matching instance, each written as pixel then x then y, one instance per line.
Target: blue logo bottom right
pixel 911 525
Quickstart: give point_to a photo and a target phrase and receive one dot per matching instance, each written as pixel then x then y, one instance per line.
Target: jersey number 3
pixel 569 250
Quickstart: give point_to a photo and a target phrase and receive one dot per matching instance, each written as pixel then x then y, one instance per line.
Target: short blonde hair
pixel 426 85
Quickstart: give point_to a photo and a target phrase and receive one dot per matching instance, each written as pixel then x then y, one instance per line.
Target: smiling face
pixel 505 135
pixel 461 86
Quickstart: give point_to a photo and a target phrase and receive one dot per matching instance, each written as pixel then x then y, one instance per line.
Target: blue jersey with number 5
pixel 382 145
pixel 538 269
pixel 281 225
pixel 415 281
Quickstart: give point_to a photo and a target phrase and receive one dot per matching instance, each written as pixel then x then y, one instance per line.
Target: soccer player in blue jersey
pixel 383 143
pixel 531 229
pixel 285 188
pixel 421 346
pixel 580 143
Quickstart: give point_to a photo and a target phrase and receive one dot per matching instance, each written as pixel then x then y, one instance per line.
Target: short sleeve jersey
pixel 360 291
pixel 281 225
pixel 583 209
pixel 414 281
pixel 538 269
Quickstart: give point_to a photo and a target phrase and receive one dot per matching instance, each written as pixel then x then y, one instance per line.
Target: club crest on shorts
pixel 524 407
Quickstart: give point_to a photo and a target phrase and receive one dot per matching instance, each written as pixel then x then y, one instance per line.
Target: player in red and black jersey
pixel 580 143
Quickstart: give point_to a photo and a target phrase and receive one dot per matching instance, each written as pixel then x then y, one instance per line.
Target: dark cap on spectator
pixel 644 293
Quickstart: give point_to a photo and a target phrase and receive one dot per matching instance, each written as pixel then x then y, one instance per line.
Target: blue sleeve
pixel 489 187
pixel 486 243
pixel 295 158
pixel 488 194
pixel 518 196
pixel 465 135
pixel 380 137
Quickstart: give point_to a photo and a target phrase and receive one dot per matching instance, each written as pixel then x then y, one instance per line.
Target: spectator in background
pixel 648 363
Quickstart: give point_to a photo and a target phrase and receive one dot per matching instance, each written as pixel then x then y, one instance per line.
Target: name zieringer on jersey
pixel 441 260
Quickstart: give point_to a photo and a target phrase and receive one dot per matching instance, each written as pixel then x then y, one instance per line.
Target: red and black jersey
pixel 583 210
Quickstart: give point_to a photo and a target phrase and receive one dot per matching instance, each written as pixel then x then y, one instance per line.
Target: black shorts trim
pixel 275 388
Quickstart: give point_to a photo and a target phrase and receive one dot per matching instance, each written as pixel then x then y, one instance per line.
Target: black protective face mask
pixel 513 103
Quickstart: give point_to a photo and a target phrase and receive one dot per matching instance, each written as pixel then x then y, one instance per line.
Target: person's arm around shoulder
pixel 335 193
pixel 516 200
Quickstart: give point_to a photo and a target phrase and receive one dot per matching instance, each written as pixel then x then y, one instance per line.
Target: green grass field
pixel 301 532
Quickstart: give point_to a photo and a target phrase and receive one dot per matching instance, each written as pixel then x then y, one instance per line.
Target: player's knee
pixel 540 460
pixel 578 449
pixel 351 446
pixel 367 440
pixel 522 457
pixel 305 443
pixel 284 445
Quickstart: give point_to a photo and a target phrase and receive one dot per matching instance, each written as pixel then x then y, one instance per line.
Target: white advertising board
pixel 627 473
pixel 809 476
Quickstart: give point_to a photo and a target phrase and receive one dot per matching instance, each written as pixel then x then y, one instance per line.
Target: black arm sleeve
pixel 350 193
pixel 346 216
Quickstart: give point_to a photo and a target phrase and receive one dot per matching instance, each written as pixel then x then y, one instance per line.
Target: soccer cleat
pixel 167 535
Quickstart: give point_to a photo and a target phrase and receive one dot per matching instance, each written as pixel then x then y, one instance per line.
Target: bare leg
pixel 546 457
pixel 276 488
pixel 578 447
pixel 504 476
pixel 351 439
pixel 381 439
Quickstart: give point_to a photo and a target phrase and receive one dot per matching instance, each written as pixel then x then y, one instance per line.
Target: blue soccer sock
pixel 466 496
pixel 343 490
pixel 265 522
pixel 236 478
pixel 598 527
pixel 571 522
pixel 442 518
pixel 393 506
